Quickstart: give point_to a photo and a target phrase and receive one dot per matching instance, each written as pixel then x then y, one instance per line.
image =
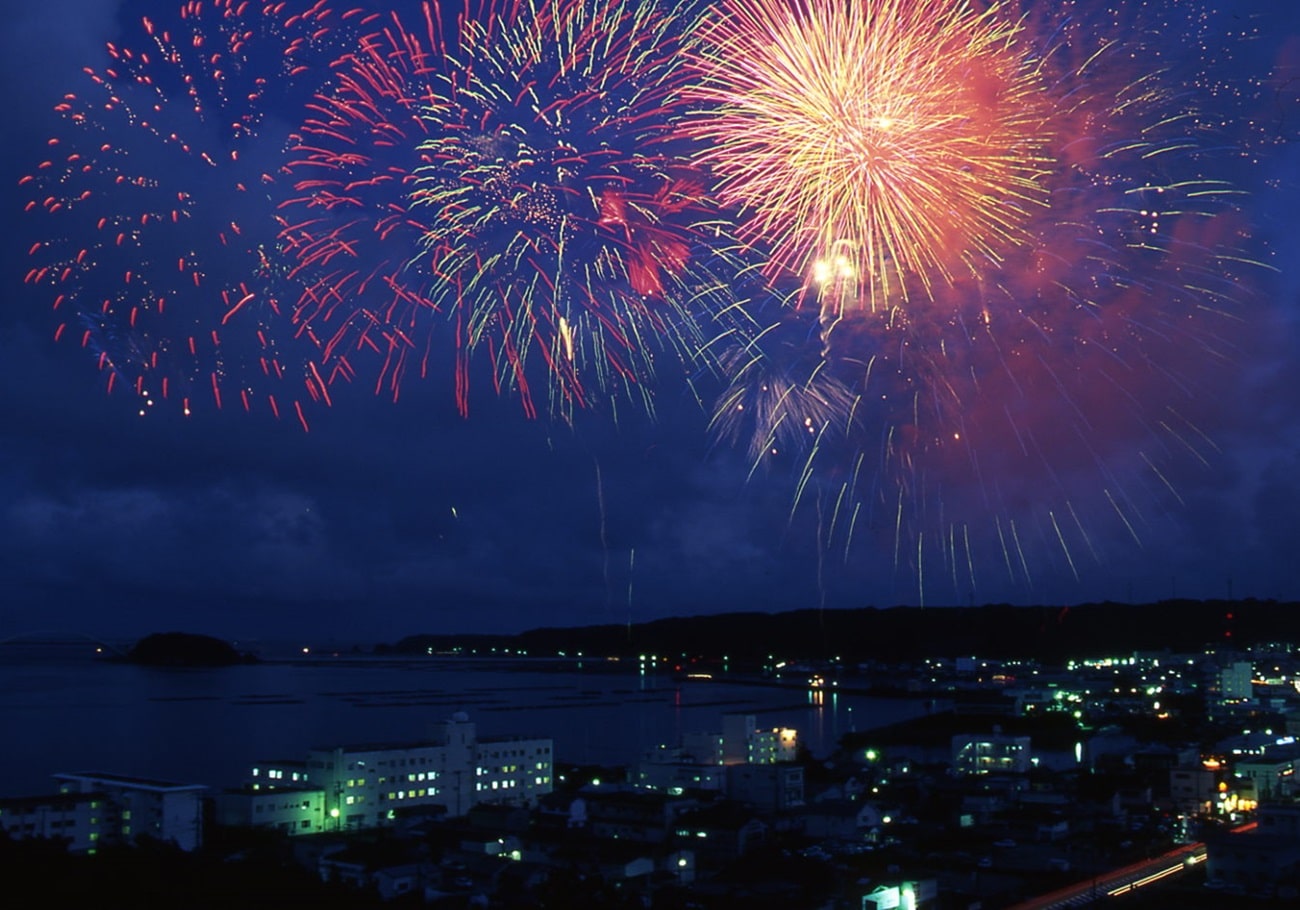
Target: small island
pixel 186 649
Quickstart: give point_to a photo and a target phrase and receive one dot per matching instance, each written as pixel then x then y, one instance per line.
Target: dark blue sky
pixel 388 519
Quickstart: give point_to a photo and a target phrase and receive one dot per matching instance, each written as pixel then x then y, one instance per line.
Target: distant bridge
pixel 61 637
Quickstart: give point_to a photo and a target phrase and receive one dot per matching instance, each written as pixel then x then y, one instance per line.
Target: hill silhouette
pixel 909 633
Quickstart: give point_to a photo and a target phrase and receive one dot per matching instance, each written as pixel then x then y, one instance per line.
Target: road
pixel 1122 881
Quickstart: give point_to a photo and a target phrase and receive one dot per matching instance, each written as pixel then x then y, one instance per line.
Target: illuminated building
pixel 132 806
pixel 368 786
pixel 703 748
pixel 94 809
pixel 1236 681
pixel 990 753
pixel 80 820
pixel 1274 776
pixel 1194 789
pixel 291 809
pixel 914 895
pixel 1231 689
pixel 743 741
pixel 700 762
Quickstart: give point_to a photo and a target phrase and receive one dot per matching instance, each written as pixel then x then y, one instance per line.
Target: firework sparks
pixel 1046 382
pixel 781 399
pixel 507 173
pixel 159 247
pixel 877 148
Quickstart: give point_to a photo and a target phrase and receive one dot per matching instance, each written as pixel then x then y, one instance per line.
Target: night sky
pixel 391 518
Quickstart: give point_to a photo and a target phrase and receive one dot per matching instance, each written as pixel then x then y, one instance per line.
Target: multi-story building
pixel 1230 689
pixel 98 808
pixel 134 806
pixel 1236 681
pixel 78 819
pixel 1274 776
pixel 292 809
pixel 766 787
pixel 514 770
pixel 700 761
pixel 990 753
pixel 1194 789
pixel 702 748
pixel 743 741
pixel 370 785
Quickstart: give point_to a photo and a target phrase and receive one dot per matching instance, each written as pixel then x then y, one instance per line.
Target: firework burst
pixel 1044 391
pixel 872 149
pixel 511 175
pixel 158 246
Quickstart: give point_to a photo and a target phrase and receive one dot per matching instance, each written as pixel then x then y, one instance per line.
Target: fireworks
pixel 514 183
pixel 1003 259
pixel 781 399
pixel 158 247
pixel 1046 383
pixel 873 148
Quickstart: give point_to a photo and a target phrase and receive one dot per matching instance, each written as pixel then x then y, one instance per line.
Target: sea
pixel 67 709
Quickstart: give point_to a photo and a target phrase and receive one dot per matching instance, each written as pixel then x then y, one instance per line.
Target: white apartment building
pixel 370 785
pixel 134 806
pixel 744 743
pixel 78 819
pixel 292 809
